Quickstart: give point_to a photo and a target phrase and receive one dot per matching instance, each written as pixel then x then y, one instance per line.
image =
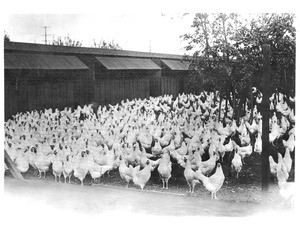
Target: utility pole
pixel 150 46
pixel 45 35
pixel 265 110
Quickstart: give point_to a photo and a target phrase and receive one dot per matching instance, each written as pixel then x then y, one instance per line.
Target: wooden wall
pixel 170 85
pixel 114 90
pixel 37 89
pixel 114 86
pixel 55 90
pixel 174 82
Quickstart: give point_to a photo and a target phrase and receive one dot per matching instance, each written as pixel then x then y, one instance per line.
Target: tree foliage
pixel 107 45
pixel 226 51
pixel 66 41
pixel 6 37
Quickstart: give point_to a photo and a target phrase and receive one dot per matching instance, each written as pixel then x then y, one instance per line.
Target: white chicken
pixel 273 166
pixel 214 182
pixel 156 149
pixel 57 167
pixel 141 177
pixel 95 171
pixel 125 171
pixel 258 144
pixel 164 169
pixel 190 175
pixel 244 151
pixel 43 162
pixel 290 143
pixel 22 163
pixel 236 163
pixel 82 168
pixel 287 160
pixel 68 167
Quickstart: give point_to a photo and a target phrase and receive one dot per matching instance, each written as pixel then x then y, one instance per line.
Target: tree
pixel 66 41
pixel 227 56
pixel 6 37
pixel 107 45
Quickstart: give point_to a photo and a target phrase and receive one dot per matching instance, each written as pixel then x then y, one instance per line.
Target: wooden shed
pixel 41 76
pixel 118 78
pixel 39 81
pixel 175 74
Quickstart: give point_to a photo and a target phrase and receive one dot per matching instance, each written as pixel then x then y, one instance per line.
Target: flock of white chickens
pixel 139 136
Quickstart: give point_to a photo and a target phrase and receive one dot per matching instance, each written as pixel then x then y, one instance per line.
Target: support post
pixel 265 107
pixel 12 167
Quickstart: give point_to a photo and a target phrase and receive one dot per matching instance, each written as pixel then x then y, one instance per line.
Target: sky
pixel 155 32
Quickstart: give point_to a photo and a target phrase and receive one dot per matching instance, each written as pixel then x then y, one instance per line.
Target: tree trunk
pixel 234 102
pixel 251 103
pixel 219 117
pixel 266 90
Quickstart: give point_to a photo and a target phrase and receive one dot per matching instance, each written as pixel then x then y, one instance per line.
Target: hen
pixel 82 167
pixel 156 149
pixel 206 167
pixel 164 169
pixel 273 166
pixel 57 167
pixel 236 164
pixel 95 171
pixel 22 163
pixel 190 176
pixel 67 168
pixel 141 177
pixel 125 172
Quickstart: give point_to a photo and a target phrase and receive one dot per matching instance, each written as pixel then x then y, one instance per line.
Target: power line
pixel 46 35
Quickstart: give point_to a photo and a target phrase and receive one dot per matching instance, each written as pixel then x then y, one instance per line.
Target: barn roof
pixel 41 61
pixel 176 64
pixel 32 47
pixel 117 63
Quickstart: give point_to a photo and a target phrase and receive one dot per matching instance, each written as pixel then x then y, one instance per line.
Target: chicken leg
pixel 194 182
pixel 167 184
pixel 190 188
pixel 163 181
pixel 214 196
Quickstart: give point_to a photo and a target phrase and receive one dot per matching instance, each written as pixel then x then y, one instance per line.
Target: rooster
pixel 214 182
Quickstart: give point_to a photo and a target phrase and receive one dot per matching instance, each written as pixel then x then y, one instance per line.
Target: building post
pixel 12 166
pixel 266 89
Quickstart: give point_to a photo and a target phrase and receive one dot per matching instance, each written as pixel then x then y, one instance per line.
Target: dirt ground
pixel 237 197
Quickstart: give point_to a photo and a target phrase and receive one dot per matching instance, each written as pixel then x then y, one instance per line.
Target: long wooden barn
pixel 46 76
